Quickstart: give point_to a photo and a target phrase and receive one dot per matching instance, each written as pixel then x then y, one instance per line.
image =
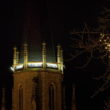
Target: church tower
pixel 37 85
pixel 37 74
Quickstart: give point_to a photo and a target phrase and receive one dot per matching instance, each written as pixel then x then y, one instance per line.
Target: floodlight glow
pixel 51 65
pixel 19 66
pixel 35 64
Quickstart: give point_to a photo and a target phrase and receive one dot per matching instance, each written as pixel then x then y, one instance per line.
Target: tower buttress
pixel 74 99
pixel 3 99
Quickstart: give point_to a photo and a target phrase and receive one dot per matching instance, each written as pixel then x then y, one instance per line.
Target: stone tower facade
pixel 37 85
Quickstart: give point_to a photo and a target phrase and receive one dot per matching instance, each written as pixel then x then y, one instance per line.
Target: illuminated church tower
pixel 37 85
pixel 37 75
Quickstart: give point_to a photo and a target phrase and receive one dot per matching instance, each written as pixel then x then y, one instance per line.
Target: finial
pixel 14 57
pixel 44 54
pixel 25 55
pixel 59 57
pixel 17 57
pixel 61 60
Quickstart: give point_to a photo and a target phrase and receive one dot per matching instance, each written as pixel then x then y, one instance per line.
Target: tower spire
pixel 59 57
pixel 25 55
pixel 17 57
pixel 44 54
pixel 14 57
pixel 61 52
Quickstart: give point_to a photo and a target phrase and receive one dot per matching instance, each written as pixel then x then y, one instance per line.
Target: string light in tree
pixel 105 40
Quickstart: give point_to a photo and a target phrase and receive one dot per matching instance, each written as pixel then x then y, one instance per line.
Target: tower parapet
pixel 43 64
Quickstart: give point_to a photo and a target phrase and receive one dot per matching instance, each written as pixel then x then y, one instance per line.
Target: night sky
pixel 57 19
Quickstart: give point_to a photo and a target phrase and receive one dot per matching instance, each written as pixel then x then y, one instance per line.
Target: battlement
pixel 44 64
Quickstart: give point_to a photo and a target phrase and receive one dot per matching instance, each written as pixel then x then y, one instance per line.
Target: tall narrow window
pixel 51 98
pixel 20 98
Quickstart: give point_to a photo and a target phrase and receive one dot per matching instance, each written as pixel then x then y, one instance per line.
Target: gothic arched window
pixel 20 98
pixel 51 97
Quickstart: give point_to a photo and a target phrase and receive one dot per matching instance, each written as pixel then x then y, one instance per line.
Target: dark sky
pixel 57 18
pixel 59 15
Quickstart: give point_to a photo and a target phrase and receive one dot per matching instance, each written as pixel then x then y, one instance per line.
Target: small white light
pixel 106 48
pixel 100 40
pixel 12 69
